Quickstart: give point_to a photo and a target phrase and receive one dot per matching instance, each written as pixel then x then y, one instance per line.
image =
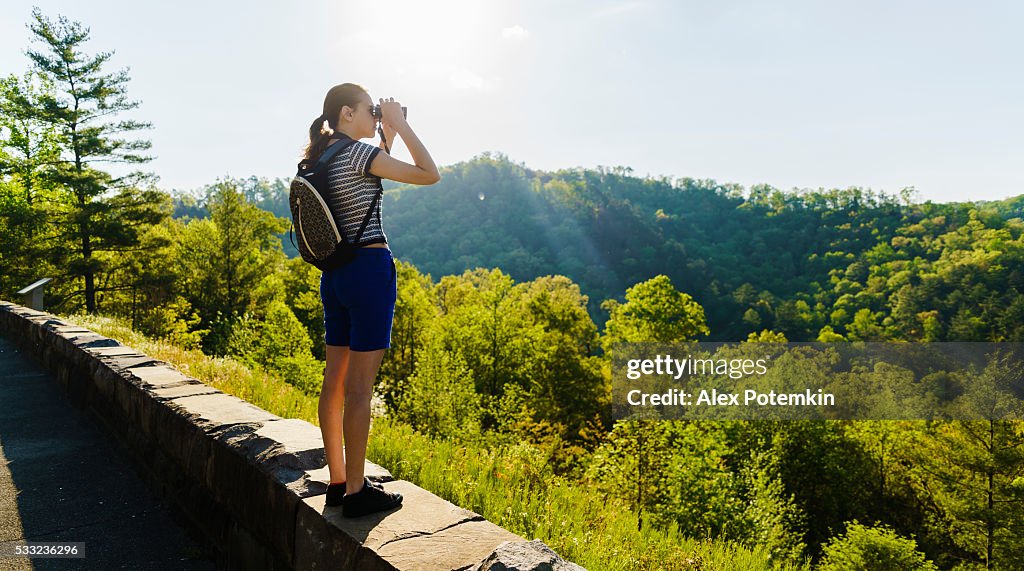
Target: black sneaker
pixel 335 492
pixel 369 500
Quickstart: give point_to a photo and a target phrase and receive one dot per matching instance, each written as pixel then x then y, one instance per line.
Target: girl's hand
pixel 391 114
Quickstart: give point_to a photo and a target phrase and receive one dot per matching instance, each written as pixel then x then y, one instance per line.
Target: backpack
pixel 320 242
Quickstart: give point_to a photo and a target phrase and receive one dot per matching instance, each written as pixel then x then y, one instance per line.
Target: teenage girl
pixel 359 298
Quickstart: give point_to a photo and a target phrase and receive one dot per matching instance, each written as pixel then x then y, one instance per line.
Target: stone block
pixel 117 351
pixel 66 330
pixel 525 556
pixel 421 513
pixel 129 361
pixel 158 376
pixel 457 547
pixel 93 340
pixel 212 412
pixel 455 538
pixel 183 390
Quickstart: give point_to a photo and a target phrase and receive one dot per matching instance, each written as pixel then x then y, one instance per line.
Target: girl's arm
pixel 386 166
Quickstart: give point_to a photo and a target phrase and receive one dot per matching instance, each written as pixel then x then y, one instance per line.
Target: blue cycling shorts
pixel 359 301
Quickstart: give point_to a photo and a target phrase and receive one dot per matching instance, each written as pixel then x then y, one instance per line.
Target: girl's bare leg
pixel 331 409
pixel 362 370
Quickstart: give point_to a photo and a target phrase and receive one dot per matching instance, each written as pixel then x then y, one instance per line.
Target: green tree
pixel 480 319
pixel 672 471
pixel 776 521
pixel 276 341
pixel 263 339
pixel 152 301
pixel 654 311
pixel 79 108
pixel 568 391
pixel 415 316
pixel 952 276
pixel 227 263
pixel 28 147
pixel 29 144
pixel 301 283
pixel 972 471
pixel 875 548
pixel 535 336
pixel 440 398
pixel 825 473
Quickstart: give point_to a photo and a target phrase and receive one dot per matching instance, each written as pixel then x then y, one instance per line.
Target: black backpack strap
pixel 329 152
pixel 369 213
pixel 334 149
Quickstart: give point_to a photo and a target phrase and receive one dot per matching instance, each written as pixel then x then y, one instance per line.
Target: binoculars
pixel 376 112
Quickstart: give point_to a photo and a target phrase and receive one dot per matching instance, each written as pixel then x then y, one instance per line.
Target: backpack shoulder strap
pixel 366 219
pixel 328 153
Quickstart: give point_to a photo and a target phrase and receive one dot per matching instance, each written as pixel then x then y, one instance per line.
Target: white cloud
pixel 618 9
pixel 516 33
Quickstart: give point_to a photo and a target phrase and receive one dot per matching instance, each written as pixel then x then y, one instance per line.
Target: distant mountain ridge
pixel 732 249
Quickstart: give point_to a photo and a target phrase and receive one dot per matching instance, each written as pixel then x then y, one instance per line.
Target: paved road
pixel 63 479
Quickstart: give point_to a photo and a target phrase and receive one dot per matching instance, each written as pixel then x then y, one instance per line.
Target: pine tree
pixel 93 222
pixel 972 471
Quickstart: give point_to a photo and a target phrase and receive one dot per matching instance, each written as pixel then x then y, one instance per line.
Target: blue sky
pixel 880 95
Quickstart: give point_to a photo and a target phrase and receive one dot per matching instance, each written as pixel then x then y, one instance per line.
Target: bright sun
pixel 449 37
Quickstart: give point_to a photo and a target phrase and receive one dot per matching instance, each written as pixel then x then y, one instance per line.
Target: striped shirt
pixel 351 189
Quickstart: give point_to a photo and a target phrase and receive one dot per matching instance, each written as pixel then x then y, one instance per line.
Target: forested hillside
pixel 861 264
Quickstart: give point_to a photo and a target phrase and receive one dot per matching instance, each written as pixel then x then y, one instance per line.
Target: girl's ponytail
pixel 317 138
pixel 337 97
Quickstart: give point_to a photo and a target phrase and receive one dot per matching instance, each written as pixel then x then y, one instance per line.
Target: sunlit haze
pixel 880 95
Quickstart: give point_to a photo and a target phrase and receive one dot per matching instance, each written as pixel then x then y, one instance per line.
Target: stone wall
pixel 251 483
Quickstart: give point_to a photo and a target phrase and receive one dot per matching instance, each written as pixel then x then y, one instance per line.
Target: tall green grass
pixel 510 488
pixel 509 485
